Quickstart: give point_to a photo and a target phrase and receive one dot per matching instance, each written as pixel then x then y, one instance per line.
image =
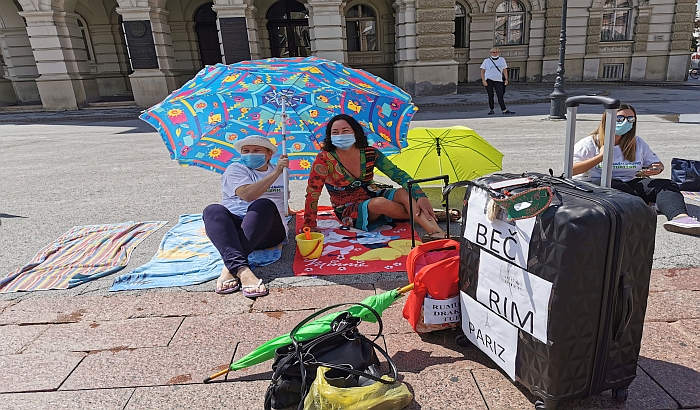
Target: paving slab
pixel 393 321
pixel 673 305
pixel 112 399
pixel 312 297
pixel 189 304
pixel 236 328
pixel 644 393
pixel 125 367
pixel 21 373
pixel 261 371
pixel 13 338
pixel 690 327
pixel 499 392
pixel 674 279
pixel 93 336
pixel 414 353
pixel 670 357
pixel 241 395
pixel 67 309
pixel 449 386
pixel 4 304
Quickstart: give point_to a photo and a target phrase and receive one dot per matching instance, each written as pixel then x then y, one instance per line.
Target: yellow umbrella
pixel 455 151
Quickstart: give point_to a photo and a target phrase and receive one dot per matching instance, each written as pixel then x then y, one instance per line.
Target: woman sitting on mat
pixel 633 163
pixel 250 216
pixel 346 167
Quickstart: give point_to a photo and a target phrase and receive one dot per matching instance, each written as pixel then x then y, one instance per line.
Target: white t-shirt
pixel 492 72
pixel 237 175
pixel 622 169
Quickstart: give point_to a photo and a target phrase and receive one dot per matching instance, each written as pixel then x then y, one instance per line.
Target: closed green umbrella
pixel 266 351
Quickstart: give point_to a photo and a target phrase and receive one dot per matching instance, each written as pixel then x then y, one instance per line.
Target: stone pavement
pixel 87 347
pixel 152 350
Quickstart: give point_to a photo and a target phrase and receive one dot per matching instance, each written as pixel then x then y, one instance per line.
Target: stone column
pixel 681 39
pixel 238 32
pixel 110 79
pixel 64 81
pixel 436 71
pixel 20 67
pixel 481 39
pixel 550 61
pixel 591 63
pixel 151 53
pixel 327 30
pixel 187 61
pixel 405 42
pixel 638 68
pixel 536 46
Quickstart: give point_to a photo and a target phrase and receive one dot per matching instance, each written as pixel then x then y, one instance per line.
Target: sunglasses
pixel 631 119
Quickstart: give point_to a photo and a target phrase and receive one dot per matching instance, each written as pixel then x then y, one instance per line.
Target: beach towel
pixel 693 196
pixel 80 255
pixel 348 250
pixel 185 257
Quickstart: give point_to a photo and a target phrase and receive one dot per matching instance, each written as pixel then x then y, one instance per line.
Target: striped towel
pixel 693 196
pixel 185 257
pixel 82 254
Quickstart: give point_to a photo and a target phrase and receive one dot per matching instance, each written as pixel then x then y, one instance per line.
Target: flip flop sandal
pixel 455 215
pixel 254 294
pixel 221 290
pixel 430 237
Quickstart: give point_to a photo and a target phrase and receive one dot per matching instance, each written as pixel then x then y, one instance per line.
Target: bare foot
pixel 250 282
pixel 227 283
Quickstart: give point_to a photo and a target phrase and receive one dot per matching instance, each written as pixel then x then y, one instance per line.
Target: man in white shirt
pixel 494 76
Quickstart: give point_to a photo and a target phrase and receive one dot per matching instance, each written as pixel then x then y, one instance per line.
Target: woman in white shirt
pixel 250 215
pixel 633 163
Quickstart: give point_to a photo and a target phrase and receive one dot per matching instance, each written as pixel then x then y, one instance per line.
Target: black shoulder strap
pixel 494 64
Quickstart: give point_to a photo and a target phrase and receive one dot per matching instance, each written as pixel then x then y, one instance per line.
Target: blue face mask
pixel 253 161
pixel 622 128
pixel 343 141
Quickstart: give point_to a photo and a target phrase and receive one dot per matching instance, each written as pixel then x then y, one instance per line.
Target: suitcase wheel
pixel 462 340
pixel 546 405
pixel 619 394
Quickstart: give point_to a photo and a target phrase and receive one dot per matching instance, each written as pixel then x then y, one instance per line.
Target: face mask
pixel 343 141
pixel 622 128
pixel 253 161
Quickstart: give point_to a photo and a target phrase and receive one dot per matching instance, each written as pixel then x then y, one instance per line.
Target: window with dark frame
pixel 615 25
pixel 510 23
pixel 361 28
pixel 460 26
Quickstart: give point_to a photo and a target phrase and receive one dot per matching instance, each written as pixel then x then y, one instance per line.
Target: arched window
pixel 361 28
pixel 208 35
pixel 616 17
pixel 86 39
pixel 288 24
pixel 460 26
pixel 510 23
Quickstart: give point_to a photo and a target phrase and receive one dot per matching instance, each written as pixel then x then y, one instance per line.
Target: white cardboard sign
pixel 514 294
pixel 490 333
pixel 509 240
pixel 437 312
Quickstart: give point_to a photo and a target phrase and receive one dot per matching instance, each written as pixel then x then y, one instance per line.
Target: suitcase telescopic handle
pixel 410 184
pixel 611 105
pixel 625 299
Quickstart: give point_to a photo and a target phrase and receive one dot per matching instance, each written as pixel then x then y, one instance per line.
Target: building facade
pixel 68 53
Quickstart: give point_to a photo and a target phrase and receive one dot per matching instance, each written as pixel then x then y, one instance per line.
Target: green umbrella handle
pixel 214 376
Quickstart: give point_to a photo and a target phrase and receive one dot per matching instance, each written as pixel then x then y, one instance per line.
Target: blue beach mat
pixel 185 257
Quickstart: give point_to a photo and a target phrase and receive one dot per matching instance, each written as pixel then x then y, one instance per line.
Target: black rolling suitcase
pixel 558 299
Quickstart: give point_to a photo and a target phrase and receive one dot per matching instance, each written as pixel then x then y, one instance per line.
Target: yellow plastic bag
pixel 376 396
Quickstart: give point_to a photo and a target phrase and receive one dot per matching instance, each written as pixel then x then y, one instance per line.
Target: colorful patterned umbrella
pixel 201 121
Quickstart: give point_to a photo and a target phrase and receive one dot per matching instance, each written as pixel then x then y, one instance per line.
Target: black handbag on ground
pixel 350 355
pixel 686 173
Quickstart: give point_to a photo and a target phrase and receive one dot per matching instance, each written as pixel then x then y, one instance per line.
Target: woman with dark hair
pixel 346 167
pixel 633 163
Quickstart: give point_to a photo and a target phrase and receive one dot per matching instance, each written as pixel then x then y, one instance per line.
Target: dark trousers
pixel 498 87
pixel 237 237
pixel 664 192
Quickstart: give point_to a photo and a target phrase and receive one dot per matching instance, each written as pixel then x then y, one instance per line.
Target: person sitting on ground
pixel 250 216
pixel 346 167
pixel 633 163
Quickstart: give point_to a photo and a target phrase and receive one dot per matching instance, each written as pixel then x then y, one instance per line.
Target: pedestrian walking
pixel 494 76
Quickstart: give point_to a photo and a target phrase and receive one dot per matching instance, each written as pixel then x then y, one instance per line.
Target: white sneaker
pixel 686 224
